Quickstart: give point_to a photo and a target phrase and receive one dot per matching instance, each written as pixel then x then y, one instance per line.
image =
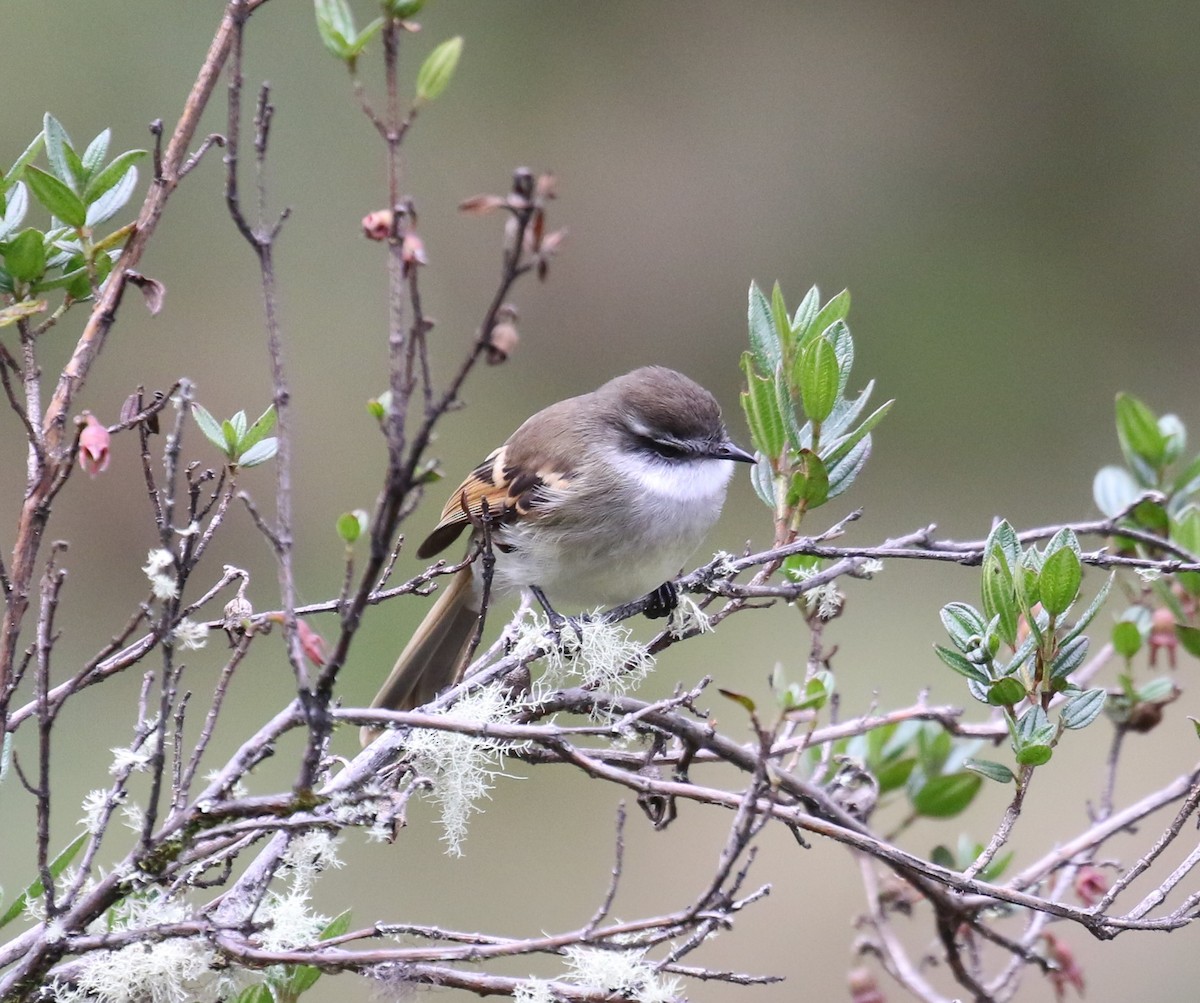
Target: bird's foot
pixel 664 600
pixel 557 620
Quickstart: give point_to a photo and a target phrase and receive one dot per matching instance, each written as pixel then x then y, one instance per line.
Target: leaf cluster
pixel 241 444
pixel 1027 594
pixel 342 39
pixel 81 191
pixel 811 438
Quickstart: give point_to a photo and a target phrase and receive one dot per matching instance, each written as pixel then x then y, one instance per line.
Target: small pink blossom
pixel 93 445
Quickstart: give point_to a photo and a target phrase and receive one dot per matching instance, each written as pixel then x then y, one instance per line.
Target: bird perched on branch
pixel 596 500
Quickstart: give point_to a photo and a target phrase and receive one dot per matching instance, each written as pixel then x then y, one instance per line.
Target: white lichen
pixel 189 635
pixel 625 972
pixel 462 767
pixel 158 563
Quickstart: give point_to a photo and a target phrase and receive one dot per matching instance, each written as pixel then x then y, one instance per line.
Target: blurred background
pixel 1010 192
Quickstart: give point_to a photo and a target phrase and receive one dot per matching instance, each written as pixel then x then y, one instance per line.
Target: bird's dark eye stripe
pixel 667 450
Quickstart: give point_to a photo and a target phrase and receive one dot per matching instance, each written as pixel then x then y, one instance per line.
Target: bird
pixel 595 500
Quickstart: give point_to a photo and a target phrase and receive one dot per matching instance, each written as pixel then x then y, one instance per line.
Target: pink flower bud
pixel 93 445
pixel 377 225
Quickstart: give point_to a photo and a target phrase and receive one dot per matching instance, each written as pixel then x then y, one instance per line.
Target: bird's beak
pixel 731 451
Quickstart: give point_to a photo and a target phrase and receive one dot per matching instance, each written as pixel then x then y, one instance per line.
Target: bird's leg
pixel 663 601
pixel 557 620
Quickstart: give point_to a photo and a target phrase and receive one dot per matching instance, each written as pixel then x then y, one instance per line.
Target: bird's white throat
pixel 687 480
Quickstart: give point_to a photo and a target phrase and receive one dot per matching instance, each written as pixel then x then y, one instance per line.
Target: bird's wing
pixel 508 492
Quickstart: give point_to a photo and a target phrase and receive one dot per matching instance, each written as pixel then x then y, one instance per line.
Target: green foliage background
pixel 1009 191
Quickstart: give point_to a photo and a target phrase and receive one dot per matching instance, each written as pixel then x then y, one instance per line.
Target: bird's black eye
pixel 664 449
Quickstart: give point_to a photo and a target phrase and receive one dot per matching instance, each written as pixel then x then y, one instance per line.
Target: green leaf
pixel 845 413
pixel 364 37
pixel 764 341
pixel 14 211
pixel 835 450
pixel 304 977
pixel 739 698
pixel 1070 656
pixel 1026 580
pixel 403 8
pixel 1083 708
pixel 942 856
pixel 843 347
pixel 894 775
pixel 1188 481
pixel 111 175
pixel 15 172
pixel 810 481
pixel 260 452
pixel 377 407
pixel 961 665
pixel 779 317
pixel 438 68
pixel 1189 637
pixel 352 525
pixel 1138 432
pixel 1058 583
pixel 56 197
pixel 817 377
pixel 999 594
pixel 1126 638
pixel 1090 614
pixel 1006 692
pixel 1174 433
pixel 96 151
pixel 57 145
pixel 1005 537
pixel 833 311
pixel 35 888
pixel 261 428
pixel 1034 755
pixel 800 438
pixel 806 312
pixel 1150 514
pixel 761 410
pixel 998 772
pixel 997 867
pixel 1161 689
pixel 77 280
pixel 946 796
pixel 260 993
pixel 1033 728
pixel 1065 537
pixel 112 201
pixel 934 745
pixel 210 428
pixel 1185 532
pixel 762 479
pixel 1114 490
pixel 844 471
pixel 25 256
pixel 817 692
pixel 963 623
pixel 335 25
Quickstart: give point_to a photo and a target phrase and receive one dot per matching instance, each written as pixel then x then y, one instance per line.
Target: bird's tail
pixel 432 659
